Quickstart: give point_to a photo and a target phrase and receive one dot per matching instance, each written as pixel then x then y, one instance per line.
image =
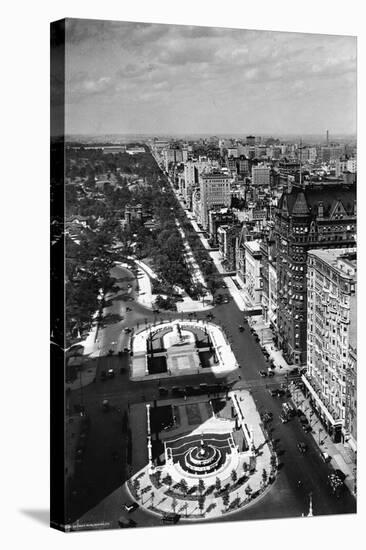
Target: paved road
pixel 96 494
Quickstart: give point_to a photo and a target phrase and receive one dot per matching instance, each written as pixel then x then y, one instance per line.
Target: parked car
pixel 326 457
pixel 306 427
pixel 241 328
pixel 170 518
pixel 273 392
pixel 178 392
pixel 110 373
pixel 284 418
pixel 302 447
pixel 271 373
pixel 204 388
pixel 263 373
pixel 342 476
pixel 130 507
pixel 127 330
pixel 125 523
pixel 163 391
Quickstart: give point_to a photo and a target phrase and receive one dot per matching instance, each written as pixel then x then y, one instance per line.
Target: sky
pixel 131 78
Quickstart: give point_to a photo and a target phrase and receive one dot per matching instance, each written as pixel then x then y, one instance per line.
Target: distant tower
pixel 327 139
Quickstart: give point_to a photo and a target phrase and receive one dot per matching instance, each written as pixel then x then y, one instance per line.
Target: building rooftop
pixel 306 200
pixel 253 246
pixel 342 260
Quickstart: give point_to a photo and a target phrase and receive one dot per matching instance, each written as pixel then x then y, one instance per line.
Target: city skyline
pixel 140 78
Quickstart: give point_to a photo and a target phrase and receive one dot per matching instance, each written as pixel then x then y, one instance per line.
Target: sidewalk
pixel 341 457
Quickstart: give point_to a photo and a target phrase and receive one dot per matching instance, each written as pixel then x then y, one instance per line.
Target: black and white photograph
pixel 203 229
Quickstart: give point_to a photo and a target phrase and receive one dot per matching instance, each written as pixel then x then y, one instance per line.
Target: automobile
pixel 241 328
pixel 178 392
pixel 226 300
pixel 288 409
pixel 266 416
pixel 215 388
pixel 273 393
pixel 326 457
pixel 189 390
pixel 271 373
pixel 163 391
pixel 130 507
pixel 128 309
pixel 156 310
pixel 280 392
pixel 294 372
pixel 306 427
pixel 284 418
pixel 340 475
pixel 170 518
pixel 302 447
pixel 223 285
pixel 204 388
pixel 110 373
pixel 263 373
pixel 127 350
pixel 127 330
pixel 105 405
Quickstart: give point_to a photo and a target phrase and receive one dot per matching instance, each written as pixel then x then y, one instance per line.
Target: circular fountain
pixel 203 459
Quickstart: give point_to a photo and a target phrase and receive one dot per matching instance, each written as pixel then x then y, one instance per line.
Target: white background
pixel 24 488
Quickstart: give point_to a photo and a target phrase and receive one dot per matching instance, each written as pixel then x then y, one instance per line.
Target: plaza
pixel 180 348
pixel 211 460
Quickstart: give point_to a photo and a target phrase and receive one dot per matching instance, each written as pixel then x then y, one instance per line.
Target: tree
pixel 201 502
pixel 234 476
pixel 183 486
pixel 264 476
pixel 273 461
pixel 248 490
pixel 201 486
pixel 168 480
pixel 218 484
pixel 136 486
pixel 225 499
pixel 245 467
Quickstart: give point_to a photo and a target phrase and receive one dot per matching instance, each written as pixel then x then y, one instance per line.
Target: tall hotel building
pixel 312 217
pixel 331 338
pixel 214 193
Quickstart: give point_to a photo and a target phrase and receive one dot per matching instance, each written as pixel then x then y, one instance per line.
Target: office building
pixel 316 216
pixel 331 334
pixel 214 193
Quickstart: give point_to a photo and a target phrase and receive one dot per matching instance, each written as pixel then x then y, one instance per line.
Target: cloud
pixel 182 69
